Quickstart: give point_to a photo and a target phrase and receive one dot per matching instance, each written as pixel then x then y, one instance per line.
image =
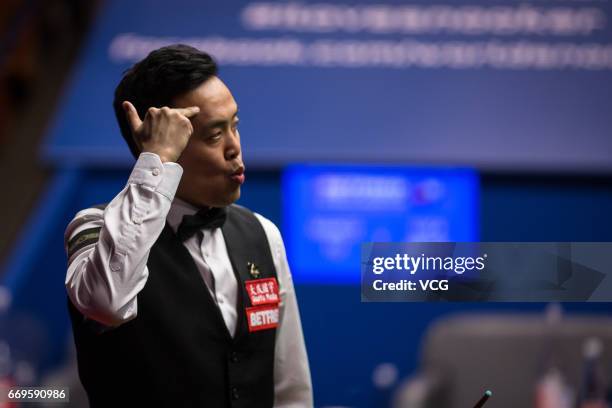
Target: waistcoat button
pixel 234 357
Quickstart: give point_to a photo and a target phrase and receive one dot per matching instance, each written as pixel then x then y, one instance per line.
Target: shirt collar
pixel 178 209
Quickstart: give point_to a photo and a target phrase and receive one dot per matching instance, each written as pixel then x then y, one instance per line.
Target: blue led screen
pixel 329 211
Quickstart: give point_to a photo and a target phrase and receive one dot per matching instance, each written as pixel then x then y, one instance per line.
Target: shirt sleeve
pixel 292 382
pixel 108 248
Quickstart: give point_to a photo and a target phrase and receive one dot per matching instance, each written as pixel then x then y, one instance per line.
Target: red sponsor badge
pixel 262 317
pixel 263 291
pixel 265 298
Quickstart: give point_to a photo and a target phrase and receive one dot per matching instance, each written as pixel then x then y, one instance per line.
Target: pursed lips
pixel 238 175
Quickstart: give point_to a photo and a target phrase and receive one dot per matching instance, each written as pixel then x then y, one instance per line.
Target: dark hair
pixel 163 75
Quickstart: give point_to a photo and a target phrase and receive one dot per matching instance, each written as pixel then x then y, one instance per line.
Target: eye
pixel 215 136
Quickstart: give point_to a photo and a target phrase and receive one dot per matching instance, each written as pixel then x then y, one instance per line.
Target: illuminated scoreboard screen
pixel 329 211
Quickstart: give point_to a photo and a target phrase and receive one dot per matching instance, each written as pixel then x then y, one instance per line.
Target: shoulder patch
pixel 82 239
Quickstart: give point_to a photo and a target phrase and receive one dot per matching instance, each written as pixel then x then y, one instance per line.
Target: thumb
pixel 132 116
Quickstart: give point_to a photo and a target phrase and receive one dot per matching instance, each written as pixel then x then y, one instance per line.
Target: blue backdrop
pixel 497 86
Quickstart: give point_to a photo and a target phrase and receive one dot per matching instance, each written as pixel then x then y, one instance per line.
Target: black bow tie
pixel 208 218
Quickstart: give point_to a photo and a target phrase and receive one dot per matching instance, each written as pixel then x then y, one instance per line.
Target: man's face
pixel 212 157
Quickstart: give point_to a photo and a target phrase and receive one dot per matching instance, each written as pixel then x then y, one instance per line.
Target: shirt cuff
pixel 150 172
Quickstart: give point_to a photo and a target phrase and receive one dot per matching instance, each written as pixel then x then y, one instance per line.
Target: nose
pixel 232 147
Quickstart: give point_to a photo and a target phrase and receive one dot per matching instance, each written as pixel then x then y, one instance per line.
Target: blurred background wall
pixel 449 89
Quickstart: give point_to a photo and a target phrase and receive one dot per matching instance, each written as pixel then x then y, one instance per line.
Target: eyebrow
pixel 221 122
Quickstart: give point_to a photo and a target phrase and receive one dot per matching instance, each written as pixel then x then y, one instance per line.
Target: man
pixel 177 296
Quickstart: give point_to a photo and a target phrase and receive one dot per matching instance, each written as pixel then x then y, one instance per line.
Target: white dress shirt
pixel 103 279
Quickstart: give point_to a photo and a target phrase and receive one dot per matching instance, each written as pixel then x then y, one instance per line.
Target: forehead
pixel 214 100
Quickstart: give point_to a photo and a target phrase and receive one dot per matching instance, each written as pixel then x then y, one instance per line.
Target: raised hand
pixel 164 131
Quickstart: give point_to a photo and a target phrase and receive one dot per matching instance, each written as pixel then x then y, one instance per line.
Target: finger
pixel 132 116
pixel 188 112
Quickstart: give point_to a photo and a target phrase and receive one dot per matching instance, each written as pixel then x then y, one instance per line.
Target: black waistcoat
pixel 178 352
